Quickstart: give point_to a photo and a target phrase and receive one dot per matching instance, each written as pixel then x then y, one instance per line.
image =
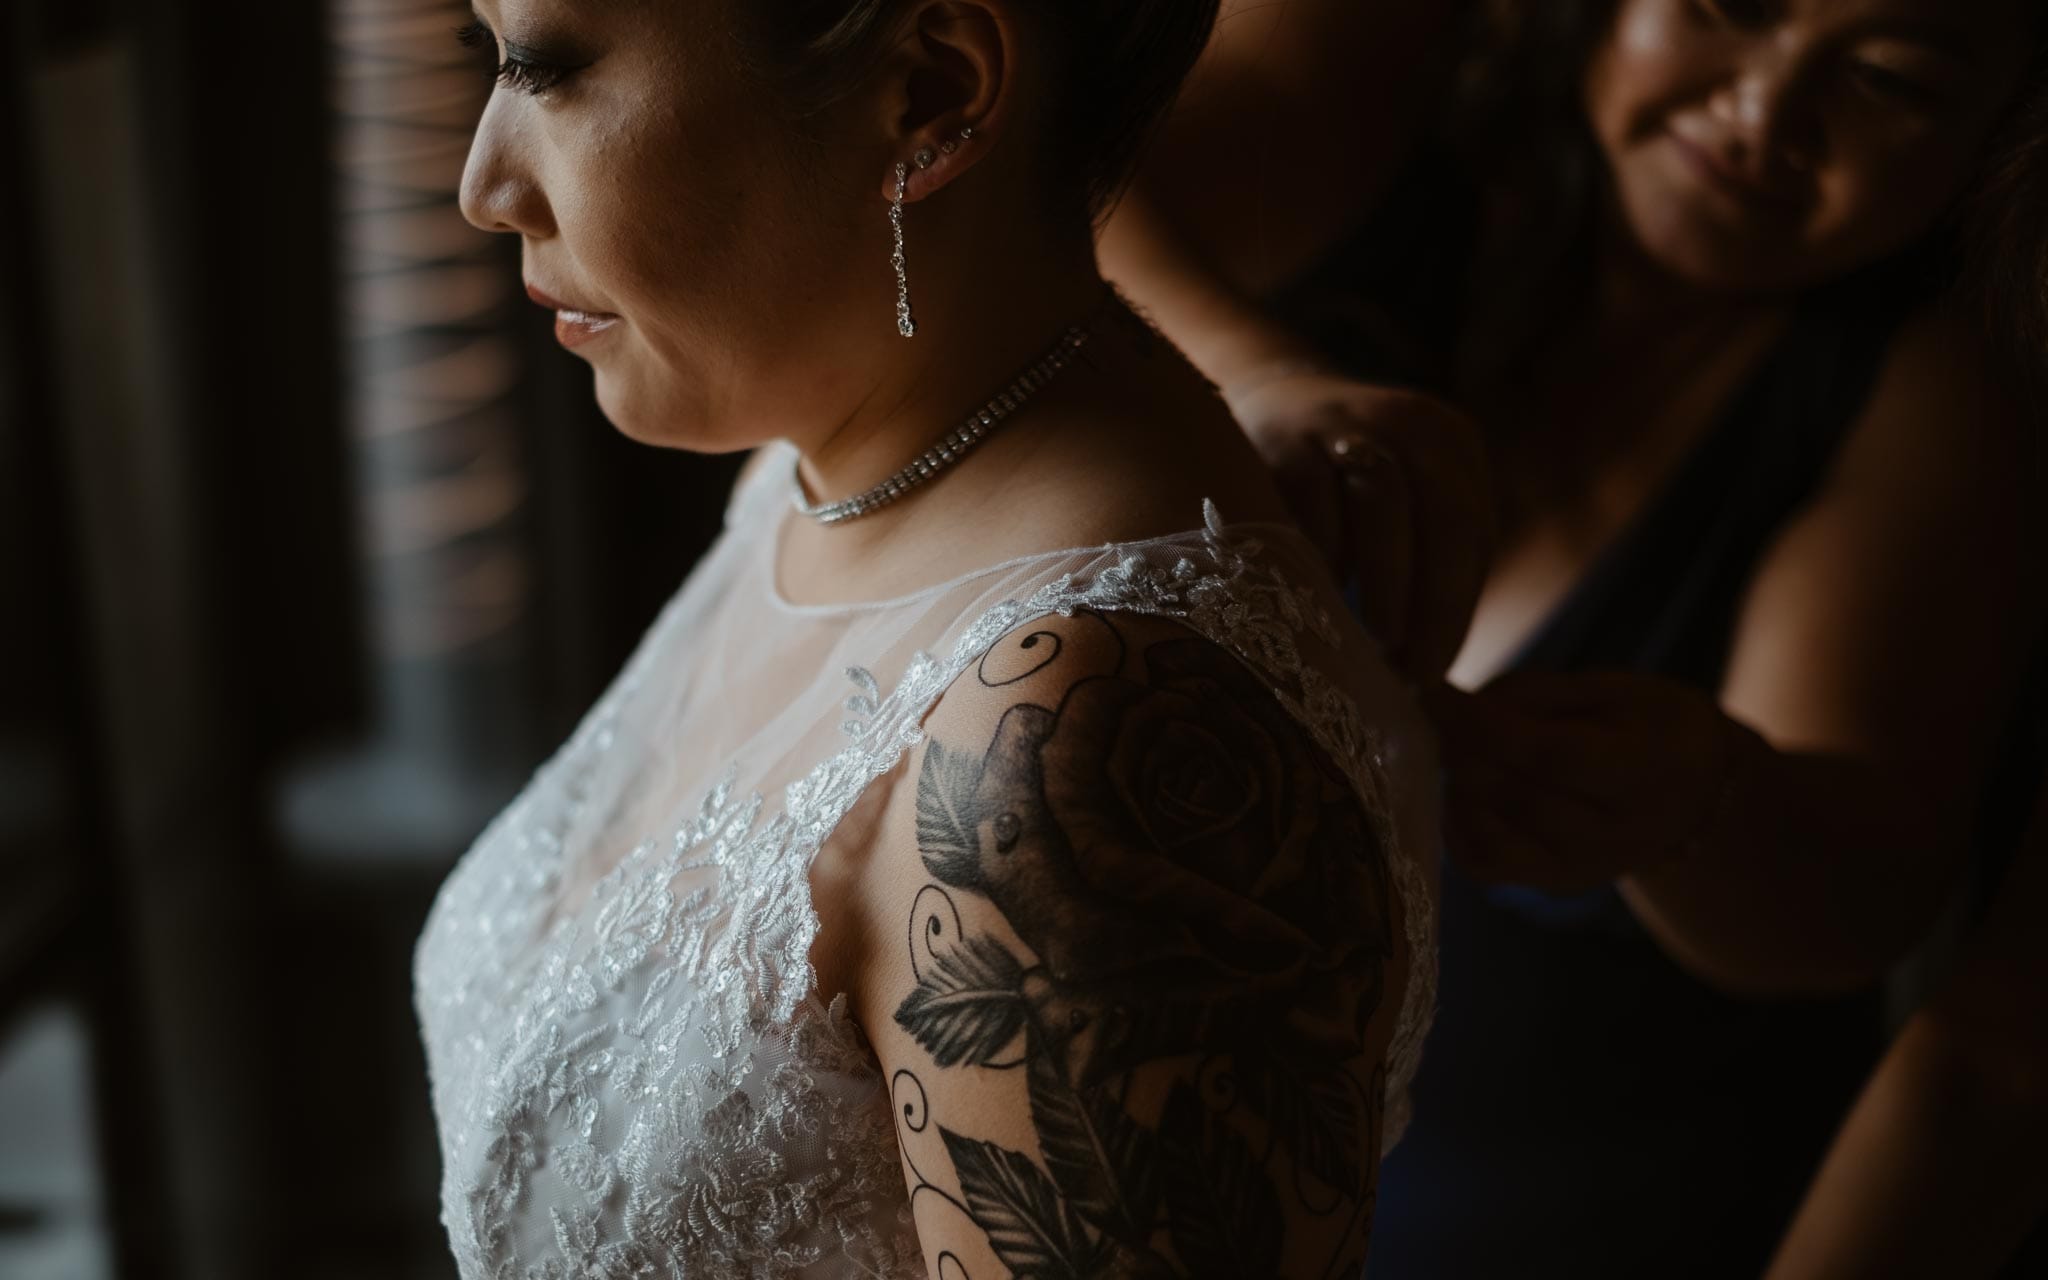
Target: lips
pixel 1722 175
pixel 574 325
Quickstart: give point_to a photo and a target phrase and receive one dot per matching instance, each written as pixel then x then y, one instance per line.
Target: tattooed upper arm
pixel 1134 1003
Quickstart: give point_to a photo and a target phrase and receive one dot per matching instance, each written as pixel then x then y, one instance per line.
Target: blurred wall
pixel 218 834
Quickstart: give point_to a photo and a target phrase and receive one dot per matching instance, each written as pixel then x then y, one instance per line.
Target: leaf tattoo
pixel 1035 1234
pixel 1107 1165
pixel 1314 1114
pixel 1225 1214
pixel 1181 878
pixel 946 815
pixel 967 1009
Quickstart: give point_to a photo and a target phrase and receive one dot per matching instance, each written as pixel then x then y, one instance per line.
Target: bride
pixel 1001 856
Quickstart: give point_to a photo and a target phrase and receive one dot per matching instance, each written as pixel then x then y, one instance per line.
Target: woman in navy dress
pixel 1732 307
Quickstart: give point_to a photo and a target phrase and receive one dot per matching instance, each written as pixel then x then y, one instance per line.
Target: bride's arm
pixel 1129 967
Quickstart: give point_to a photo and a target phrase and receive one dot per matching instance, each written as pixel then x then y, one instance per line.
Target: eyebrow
pixel 1942 37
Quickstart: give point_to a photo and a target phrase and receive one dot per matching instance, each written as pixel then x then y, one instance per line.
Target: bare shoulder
pixel 1943 417
pixel 1136 740
pixel 1144 473
pixel 1140 997
pixel 1894 612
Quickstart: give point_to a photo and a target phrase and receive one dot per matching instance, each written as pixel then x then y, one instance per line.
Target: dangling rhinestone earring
pixel 905 324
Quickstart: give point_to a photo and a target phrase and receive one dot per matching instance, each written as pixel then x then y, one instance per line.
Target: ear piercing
pixel 925 158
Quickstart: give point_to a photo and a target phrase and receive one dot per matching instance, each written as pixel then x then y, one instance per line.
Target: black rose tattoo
pixel 1194 882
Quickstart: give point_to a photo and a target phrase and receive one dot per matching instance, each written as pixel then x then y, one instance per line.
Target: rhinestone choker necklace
pixel 954 446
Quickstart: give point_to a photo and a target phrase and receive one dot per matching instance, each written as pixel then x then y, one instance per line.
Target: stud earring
pixel 924 157
pixel 967 134
pixel 905 323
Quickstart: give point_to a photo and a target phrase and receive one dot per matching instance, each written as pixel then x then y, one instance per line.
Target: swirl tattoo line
pixel 916 1117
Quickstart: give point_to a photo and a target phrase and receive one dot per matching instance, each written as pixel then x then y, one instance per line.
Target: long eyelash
pixel 513 72
pixel 530 77
pixel 1895 86
pixel 1733 13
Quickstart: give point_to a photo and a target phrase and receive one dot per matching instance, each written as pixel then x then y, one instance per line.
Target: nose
pixel 498 190
pixel 1764 106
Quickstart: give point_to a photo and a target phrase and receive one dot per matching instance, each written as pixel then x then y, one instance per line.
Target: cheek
pixel 731 266
pixel 738 277
pixel 1878 195
pixel 1649 62
pixel 662 215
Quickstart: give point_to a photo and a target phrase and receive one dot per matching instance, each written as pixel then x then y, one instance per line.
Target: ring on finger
pixel 1356 453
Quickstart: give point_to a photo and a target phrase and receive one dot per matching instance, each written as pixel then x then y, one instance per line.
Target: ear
pixel 952 72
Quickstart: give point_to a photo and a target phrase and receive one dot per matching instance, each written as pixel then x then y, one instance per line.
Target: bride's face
pixel 698 248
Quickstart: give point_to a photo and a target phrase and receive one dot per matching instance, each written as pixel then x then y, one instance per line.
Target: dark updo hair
pixel 1120 65
pixel 1519 127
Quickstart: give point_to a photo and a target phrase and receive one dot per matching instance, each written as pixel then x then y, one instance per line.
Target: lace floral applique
pixel 664 1065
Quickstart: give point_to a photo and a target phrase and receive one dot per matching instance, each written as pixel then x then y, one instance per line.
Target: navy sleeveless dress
pixel 1587 1109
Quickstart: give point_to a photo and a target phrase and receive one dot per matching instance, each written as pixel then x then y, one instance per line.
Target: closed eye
pixel 1736 13
pixel 531 77
pixel 521 69
pixel 1883 82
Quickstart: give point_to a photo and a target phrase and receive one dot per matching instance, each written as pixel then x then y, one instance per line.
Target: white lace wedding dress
pixel 632 1071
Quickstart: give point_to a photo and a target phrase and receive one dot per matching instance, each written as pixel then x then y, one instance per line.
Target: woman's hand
pixel 1567 782
pixel 1393 486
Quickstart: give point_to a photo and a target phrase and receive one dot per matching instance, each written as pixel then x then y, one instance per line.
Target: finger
pixel 1453 551
pixel 1491 724
pixel 1378 527
pixel 1481 726
pixel 1636 729
pixel 1554 694
pixel 1452 501
pixel 1457 716
pixel 1490 850
pixel 1520 860
pixel 1311 489
pixel 1591 843
pixel 1569 755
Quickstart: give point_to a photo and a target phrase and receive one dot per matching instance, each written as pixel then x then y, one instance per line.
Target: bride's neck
pixel 978 329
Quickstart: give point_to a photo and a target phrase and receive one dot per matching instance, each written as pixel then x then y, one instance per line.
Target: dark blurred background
pixel 311 546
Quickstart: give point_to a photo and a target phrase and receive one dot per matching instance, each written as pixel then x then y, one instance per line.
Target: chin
pixel 1713 268
pixel 631 413
pixel 1740 270
pixel 1708 255
pixel 658 421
